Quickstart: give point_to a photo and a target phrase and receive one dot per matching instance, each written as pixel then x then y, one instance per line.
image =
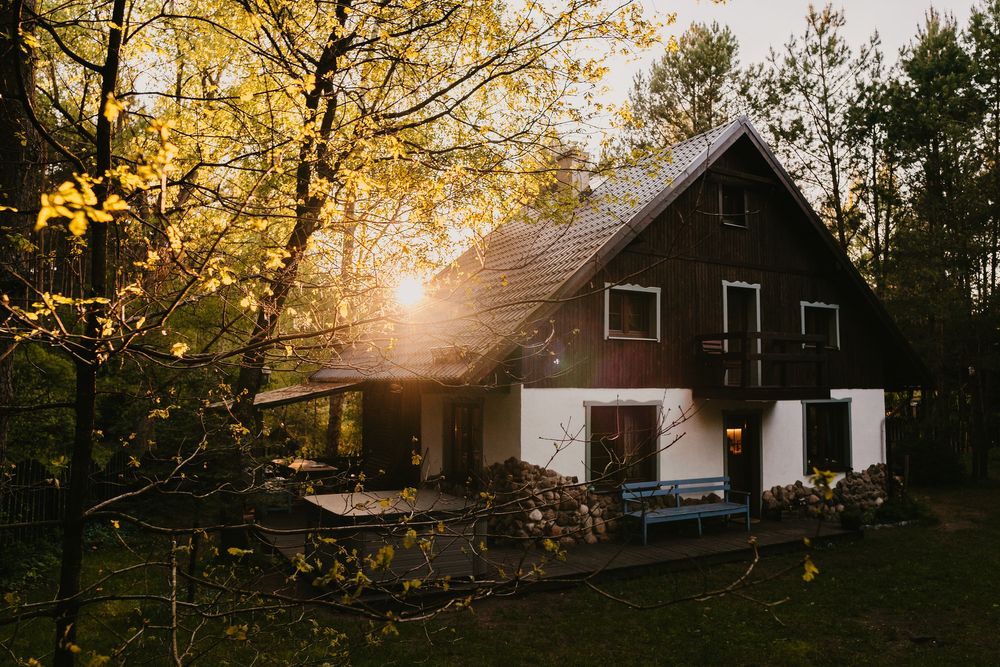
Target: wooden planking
pixel 666 548
pixel 687 252
pixel 390 416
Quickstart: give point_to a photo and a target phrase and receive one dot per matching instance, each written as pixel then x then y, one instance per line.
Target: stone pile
pixel 532 503
pixel 863 490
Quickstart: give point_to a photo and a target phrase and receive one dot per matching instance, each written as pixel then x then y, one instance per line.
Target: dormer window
pixel 822 319
pixel 733 205
pixel 631 311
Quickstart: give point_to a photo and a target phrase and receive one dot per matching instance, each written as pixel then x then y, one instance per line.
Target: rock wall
pixel 864 490
pixel 532 503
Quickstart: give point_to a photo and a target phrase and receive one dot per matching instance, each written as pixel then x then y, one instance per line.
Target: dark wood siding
pixel 390 416
pixel 688 253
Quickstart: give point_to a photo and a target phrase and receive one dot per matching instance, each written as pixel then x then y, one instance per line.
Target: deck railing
pixel 762 361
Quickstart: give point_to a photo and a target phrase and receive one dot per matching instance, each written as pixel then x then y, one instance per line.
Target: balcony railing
pixel 762 366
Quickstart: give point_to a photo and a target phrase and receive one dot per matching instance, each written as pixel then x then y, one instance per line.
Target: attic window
pixel 631 311
pixel 733 205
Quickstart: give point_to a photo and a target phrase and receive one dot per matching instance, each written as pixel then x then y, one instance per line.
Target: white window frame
pixel 629 288
pixel 726 284
pixel 831 345
pixel 850 432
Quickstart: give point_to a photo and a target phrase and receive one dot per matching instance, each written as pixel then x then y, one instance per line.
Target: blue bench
pixel 640 493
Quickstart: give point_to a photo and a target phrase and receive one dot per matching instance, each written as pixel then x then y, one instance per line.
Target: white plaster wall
pixel 554 434
pixel 553 431
pixel 431 436
pixel 502 426
pixel 783 449
pixel 781 443
pixel 867 425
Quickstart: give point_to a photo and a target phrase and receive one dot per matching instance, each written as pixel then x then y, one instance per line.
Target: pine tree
pixel 804 99
pixel 695 86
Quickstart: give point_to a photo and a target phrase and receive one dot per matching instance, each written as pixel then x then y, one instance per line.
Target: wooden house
pixel 692 317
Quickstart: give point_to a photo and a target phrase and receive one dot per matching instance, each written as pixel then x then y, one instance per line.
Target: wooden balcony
pixel 761 366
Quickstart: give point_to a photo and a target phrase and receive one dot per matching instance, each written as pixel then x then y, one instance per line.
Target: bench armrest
pixel 746 494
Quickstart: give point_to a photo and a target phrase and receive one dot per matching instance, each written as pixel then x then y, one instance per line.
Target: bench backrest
pixel 642 491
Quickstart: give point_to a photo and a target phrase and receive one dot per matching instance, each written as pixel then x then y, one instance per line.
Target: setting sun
pixel 409 292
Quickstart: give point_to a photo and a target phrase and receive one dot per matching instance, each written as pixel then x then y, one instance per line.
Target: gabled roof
pixel 488 302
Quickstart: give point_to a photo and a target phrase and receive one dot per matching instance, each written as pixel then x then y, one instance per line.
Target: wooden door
pixel 742 317
pixel 463 455
pixel 741 436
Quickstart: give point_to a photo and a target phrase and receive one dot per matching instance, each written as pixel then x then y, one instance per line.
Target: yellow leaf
pixel 114 203
pixel 115 524
pixel 78 224
pixel 179 349
pixel 409 539
pixel 112 107
pixel 809 569
pixel 44 213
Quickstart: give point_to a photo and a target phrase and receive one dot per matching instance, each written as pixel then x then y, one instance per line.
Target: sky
pixel 761 24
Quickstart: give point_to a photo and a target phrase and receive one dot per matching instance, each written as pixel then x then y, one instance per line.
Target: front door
pixel 463 452
pixel 741 436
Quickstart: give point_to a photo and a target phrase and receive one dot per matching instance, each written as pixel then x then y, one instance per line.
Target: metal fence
pixel 32 496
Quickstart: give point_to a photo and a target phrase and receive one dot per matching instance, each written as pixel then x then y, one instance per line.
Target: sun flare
pixel 409 292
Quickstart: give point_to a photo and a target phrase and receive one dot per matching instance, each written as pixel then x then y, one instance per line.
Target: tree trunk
pixel 21 175
pixel 87 363
pixel 336 412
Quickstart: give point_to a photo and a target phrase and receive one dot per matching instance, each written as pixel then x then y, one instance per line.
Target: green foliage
pixel 696 85
pixel 907 507
pixel 42 377
pixel 27 564
pixel 804 99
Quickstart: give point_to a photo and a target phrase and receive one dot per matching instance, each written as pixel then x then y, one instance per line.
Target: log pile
pixel 862 490
pixel 531 503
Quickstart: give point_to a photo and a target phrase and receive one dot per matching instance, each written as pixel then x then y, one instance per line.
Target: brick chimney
pixel 573 169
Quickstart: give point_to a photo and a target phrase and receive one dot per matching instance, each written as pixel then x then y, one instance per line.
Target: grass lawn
pixel 921 594
pixel 926 595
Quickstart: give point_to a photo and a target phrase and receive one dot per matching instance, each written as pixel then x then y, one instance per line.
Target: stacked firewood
pixel 862 490
pixel 531 504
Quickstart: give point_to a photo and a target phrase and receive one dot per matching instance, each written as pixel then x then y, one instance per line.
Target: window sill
pixel 620 337
pixel 839 470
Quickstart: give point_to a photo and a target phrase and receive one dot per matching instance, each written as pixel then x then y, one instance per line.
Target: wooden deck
pixel 670 547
